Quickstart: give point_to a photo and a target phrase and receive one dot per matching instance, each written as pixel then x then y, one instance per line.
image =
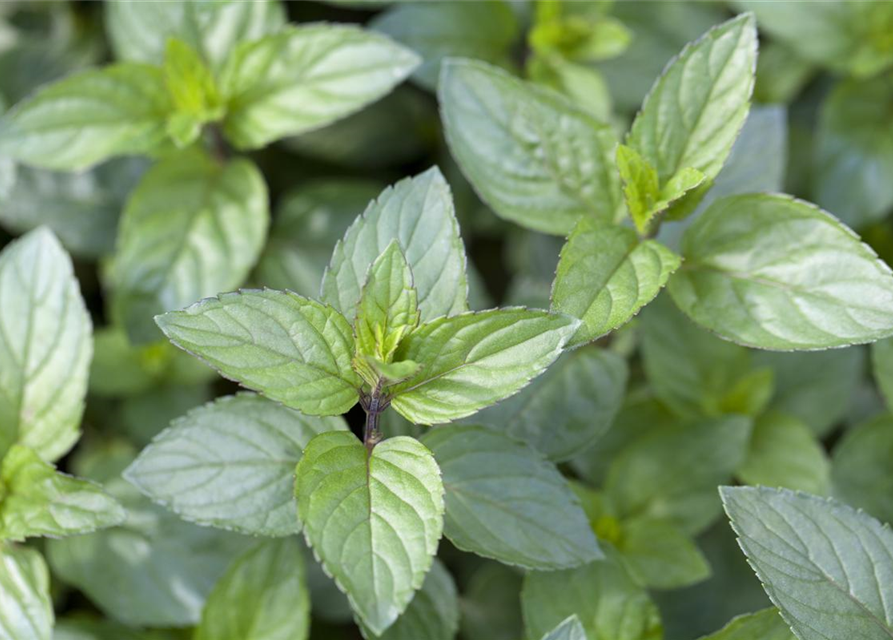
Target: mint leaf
pixel 26 610
pixel 785 275
pixel 660 555
pixel 641 187
pixel 303 78
pixel 505 501
pixel 606 275
pixel 436 30
pixel 45 348
pixel 418 213
pixel 860 469
pixel 37 500
pixel 191 229
pixel 89 117
pixel 491 606
pixel 762 625
pixel 262 596
pixel 291 349
pixel 193 92
pixel 472 360
pixel 688 124
pixel 570 629
pixel 825 565
pixel 568 408
pixel 373 518
pixel 388 308
pixel 601 594
pixel 533 156
pixel 230 464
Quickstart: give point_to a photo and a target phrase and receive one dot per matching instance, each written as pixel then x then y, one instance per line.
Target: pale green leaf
pixel 606 275
pixel 230 464
pixel 26 610
pixel 570 629
pixel 391 372
pixel 567 409
pixel 533 156
pixel 418 213
pixel 291 349
pixel 505 501
pixel 826 566
pixel 374 519
pixel 882 368
pixel 861 472
pixel 641 187
pixel 192 89
pixel 473 360
pixel 37 500
pixel 660 555
pixel 601 594
pixel 303 78
pixel 192 228
pixel 89 117
pixel 773 272
pixel 762 625
pixel 45 347
pixel 783 452
pixel 263 596
pixel 579 82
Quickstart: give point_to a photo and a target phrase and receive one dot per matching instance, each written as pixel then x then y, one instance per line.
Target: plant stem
pixel 372 436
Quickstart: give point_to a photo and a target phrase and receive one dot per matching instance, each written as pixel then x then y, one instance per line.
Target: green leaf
pixel 191 229
pixel 45 348
pixel 418 212
pixel 692 124
pixel 230 464
pixel 303 78
pixel 436 30
pixel 193 91
pixel 660 555
pixel 89 117
pixel 762 625
pixel 533 156
pixel 581 83
pixel 773 272
pixel 388 308
pixel 601 594
pixel 505 501
pixel 263 596
pixel 671 471
pixel 882 368
pixel 26 610
pixel 473 360
pixel 854 152
pixel 491 604
pixel 570 629
pixel 433 613
pixel 37 500
pixel 641 187
pixel 825 565
pixel 784 453
pixel 291 349
pixel 568 408
pixel 82 628
pixel 374 519
pixel 860 471
pixel 606 275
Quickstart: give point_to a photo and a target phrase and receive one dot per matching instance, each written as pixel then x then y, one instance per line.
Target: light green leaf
pixel 193 92
pixel 303 78
pixel 45 347
pixel 374 519
pixel 192 228
pixel 89 117
pixel 762 625
pixel 436 30
pixel 418 212
pixel 692 124
pixel 641 187
pixel 581 83
pixel 505 501
pixel 861 473
pixel 660 555
pixel 388 308
pixel 291 349
pixel 606 275
pixel 533 156
pixel 567 409
pixel 570 629
pixel 389 373
pixel 826 566
pixel 26 610
pixel 785 275
pixel 672 471
pixel 784 452
pixel 37 500
pixel 433 613
pixel 601 594
pixel 473 360
pixel 230 464
pixel 882 368
pixel 263 596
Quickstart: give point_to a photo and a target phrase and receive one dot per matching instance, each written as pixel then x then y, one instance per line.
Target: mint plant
pixel 592 367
